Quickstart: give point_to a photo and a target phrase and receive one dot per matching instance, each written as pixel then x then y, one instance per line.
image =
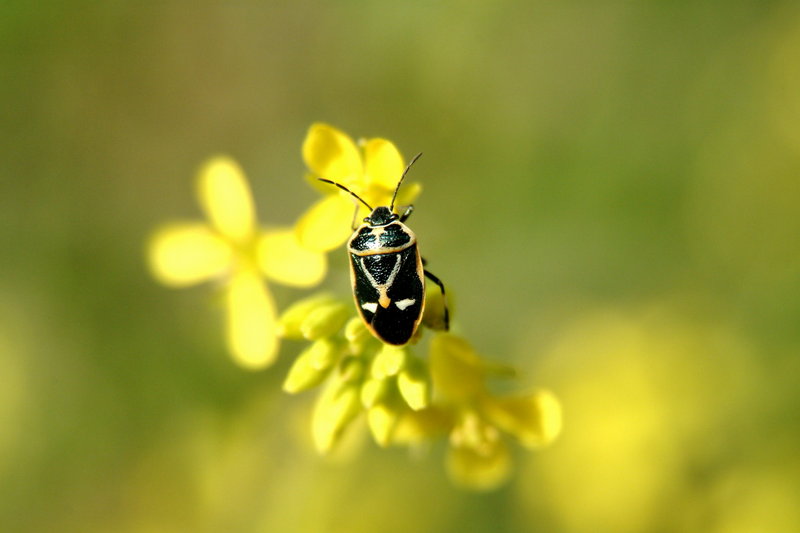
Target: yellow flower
pixel 389 381
pixel 233 250
pixel 403 398
pixel 478 457
pixel 407 400
pixel 371 170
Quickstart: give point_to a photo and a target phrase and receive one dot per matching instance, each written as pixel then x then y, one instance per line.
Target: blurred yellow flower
pixel 371 170
pixel 233 250
pixel 650 392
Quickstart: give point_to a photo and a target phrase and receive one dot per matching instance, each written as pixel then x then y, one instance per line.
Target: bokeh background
pixel 611 193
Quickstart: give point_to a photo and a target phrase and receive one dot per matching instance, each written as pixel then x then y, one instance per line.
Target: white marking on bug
pixel 370 306
pixel 383 297
pixel 403 304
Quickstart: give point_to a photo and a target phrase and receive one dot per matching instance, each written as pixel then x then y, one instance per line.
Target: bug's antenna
pixel 357 197
pixel 391 207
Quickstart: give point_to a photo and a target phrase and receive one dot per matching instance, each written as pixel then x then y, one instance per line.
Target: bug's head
pixel 380 216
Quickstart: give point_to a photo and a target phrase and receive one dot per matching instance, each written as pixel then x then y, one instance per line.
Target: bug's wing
pixel 397 323
pixel 389 293
pixel 364 292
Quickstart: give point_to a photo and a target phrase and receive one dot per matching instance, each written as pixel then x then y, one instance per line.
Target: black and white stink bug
pixel 387 271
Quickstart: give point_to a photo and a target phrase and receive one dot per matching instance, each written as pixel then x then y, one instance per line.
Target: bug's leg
pixel 406 213
pixel 438 282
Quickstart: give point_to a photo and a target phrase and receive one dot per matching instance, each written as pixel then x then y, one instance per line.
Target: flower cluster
pixel 407 398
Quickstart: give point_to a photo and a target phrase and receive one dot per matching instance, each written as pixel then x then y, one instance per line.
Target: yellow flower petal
pixel 381 420
pixel 407 194
pixel 283 260
pixel 356 334
pixel 311 366
pixel 325 320
pixel 331 154
pixel 412 382
pixel 352 370
pixel 535 419
pixel 455 368
pixel 251 323
pixel 383 164
pixel 374 391
pixel 183 254
pixel 321 187
pixel 388 361
pixel 433 315
pixel 484 469
pixel 416 426
pixel 292 319
pixel 336 407
pixel 327 225
pixel 224 195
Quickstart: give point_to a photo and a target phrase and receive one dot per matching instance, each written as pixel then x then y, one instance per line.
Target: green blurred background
pixel 611 192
